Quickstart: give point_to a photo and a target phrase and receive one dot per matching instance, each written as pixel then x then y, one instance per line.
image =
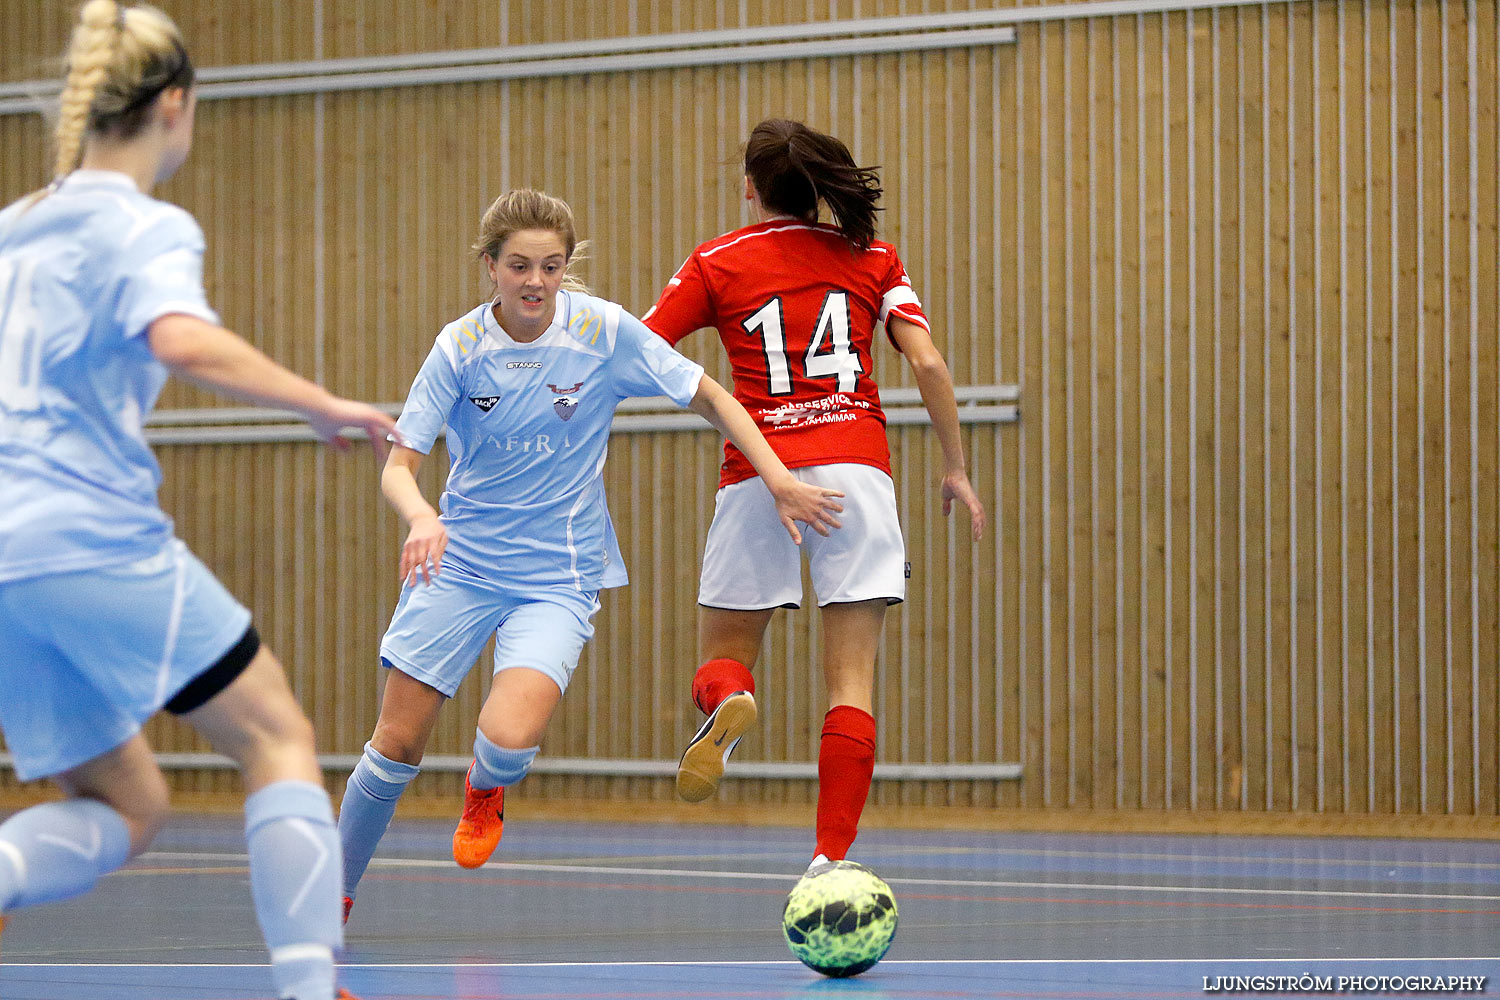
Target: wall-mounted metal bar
pixel 575 66
pixel 216 415
pixel 620 768
pixel 247 425
pixel 566 58
pixel 551 51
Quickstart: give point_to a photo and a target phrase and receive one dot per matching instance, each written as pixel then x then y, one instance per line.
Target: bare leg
pixel 256 722
pixel 732 635
pixel 724 690
pixel 116 803
pixel 128 781
pixel 293 844
pixel 846 751
pixel 851 639
pixel 408 711
pixel 518 708
pixel 511 724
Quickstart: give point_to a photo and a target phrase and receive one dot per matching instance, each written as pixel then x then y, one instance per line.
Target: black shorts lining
pixel 202 689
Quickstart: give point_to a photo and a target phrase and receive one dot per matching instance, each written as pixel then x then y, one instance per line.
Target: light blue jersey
pixel 528 428
pixel 83 273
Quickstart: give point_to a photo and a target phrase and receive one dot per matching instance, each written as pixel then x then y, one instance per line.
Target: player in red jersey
pixel 797 305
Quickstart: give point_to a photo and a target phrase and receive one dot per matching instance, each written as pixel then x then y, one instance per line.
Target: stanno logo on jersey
pixel 485 403
pixel 523 364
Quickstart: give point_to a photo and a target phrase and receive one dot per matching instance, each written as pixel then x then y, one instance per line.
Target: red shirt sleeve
pixel 898 298
pixel 685 304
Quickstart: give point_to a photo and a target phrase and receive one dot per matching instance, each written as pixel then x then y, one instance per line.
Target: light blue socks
pixel 58 850
pixel 495 766
pixel 369 803
pixel 294 872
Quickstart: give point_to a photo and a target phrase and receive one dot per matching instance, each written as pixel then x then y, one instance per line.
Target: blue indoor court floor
pixel 600 911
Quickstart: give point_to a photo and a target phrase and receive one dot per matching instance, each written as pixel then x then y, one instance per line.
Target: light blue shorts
pixel 87 657
pixel 440 628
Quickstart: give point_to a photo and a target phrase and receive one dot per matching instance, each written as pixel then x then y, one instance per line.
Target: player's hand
pixel 814 506
pixel 340 415
pixel 956 487
pixel 423 552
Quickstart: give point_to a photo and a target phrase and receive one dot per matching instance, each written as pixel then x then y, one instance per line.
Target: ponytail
pixel 120 60
pixel 793 167
pixel 89 58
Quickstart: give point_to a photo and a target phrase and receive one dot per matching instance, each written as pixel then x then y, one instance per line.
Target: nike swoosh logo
pixel 720 741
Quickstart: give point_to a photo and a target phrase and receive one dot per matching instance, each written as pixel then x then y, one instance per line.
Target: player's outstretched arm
pixel 423 551
pixel 795 500
pixel 936 387
pixel 221 360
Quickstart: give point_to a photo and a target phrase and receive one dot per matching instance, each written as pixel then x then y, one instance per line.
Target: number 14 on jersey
pixel 829 355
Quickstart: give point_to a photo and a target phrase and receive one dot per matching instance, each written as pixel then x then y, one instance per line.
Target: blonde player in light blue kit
pixel 105 617
pixel 527 386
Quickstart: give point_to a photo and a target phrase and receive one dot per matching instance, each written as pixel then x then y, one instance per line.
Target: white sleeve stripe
pixel 900 295
pixel 612 311
pixel 903 300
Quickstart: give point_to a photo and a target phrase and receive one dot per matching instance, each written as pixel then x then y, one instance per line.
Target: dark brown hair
pixel 793 167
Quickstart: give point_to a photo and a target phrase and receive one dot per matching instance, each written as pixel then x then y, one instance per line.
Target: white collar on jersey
pixel 113 178
pixel 492 325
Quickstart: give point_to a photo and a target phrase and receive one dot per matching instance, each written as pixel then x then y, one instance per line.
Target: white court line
pixel 513 867
pixel 1216 962
pixel 1021 852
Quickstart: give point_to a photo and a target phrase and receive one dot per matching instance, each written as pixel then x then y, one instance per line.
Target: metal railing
pixel 977 404
pixel 617 768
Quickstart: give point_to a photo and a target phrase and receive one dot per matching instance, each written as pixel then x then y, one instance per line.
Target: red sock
pixel 717 680
pixel 846 760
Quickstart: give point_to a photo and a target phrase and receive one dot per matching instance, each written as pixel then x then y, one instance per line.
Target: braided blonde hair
pixel 120 58
pixel 522 209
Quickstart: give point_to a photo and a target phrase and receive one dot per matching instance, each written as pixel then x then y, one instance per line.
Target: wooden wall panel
pixel 1243 262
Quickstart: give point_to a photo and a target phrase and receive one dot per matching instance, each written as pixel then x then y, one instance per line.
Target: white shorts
pixel 440 628
pixel 751 564
pixel 87 657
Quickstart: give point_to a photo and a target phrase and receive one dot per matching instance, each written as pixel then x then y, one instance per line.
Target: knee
pixel 294 730
pixel 512 732
pixel 145 812
pixel 396 741
pixel 279 727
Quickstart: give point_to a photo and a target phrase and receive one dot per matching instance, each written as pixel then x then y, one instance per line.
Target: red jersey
pixel 796 307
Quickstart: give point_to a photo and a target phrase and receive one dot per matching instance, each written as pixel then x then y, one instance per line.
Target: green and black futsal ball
pixel 840 918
